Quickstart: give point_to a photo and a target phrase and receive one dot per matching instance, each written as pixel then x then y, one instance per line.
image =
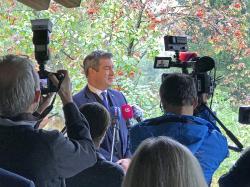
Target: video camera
pixel 41 38
pixel 184 59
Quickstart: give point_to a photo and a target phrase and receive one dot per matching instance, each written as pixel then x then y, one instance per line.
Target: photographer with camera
pixel 179 98
pixel 45 157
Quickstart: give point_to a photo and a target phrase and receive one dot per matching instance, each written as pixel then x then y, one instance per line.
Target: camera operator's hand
pixel 65 87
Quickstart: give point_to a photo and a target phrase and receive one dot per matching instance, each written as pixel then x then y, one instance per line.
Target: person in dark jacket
pixel 239 174
pixel 45 157
pixel 9 179
pixel 103 173
pixel 179 98
pixel 98 68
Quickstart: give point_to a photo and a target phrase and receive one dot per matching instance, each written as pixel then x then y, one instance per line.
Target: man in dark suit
pixel 99 70
pixel 9 179
pixel 45 157
pixel 103 173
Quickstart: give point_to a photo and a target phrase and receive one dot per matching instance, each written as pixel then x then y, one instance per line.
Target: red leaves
pixel 91 11
pixel 238 33
pixel 237 5
pixel 200 13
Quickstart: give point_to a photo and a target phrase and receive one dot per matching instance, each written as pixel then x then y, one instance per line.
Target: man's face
pixel 103 77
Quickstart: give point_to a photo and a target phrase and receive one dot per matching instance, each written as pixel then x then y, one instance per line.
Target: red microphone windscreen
pixel 186 56
pixel 127 111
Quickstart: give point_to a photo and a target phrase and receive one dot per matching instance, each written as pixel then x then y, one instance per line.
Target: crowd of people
pixel 177 149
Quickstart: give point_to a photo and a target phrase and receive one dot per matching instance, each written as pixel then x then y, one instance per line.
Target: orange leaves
pixel 120 73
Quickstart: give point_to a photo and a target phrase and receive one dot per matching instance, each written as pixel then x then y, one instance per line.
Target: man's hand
pixel 124 163
pixel 65 87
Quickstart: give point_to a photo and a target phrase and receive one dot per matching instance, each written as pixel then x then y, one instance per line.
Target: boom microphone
pixel 204 64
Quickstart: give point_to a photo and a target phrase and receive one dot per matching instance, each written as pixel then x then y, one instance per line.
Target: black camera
pixel 184 59
pixel 41 38
pixel 244 114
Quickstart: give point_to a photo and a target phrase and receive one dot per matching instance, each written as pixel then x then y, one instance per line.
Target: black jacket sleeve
pixel 239 174
pixel 75 152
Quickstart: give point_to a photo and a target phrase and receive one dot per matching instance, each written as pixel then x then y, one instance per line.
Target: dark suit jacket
pixel 9 179
pixel 47 157
pixel 103 173
pixel 239 174
pixel 117 99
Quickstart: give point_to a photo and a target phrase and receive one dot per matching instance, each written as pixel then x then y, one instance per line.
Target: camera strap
pixel 44 113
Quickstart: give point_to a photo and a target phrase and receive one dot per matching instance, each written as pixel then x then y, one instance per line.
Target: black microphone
pixel 115 114
pixel 137 113
pixel 204 64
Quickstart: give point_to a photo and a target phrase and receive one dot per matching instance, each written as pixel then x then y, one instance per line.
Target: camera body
pixel 41 38
pixel 184 60
pixel 244 115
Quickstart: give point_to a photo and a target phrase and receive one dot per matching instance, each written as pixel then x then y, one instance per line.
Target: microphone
pixel 138 113
pixel 127 113
pixel 204 64
pixel 115 114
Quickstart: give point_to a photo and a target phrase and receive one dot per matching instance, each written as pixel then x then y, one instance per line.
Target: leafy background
pixel 133 31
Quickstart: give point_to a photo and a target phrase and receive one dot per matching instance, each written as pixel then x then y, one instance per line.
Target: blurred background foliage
pixel 133 31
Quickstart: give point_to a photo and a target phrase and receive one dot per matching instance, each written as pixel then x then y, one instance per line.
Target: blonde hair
pixel 163 162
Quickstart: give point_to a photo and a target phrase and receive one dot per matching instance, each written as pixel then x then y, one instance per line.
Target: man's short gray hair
pixel 18 83
pixel 93 59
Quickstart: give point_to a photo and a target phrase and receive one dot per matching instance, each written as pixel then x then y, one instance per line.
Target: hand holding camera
pixel 64 86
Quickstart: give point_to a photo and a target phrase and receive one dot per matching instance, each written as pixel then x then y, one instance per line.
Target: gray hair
pixel 162 162
pixel 92 60
pixel 18 83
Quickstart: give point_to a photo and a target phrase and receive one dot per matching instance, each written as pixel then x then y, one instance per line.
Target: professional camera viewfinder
pixel 184 59
pixel 42 29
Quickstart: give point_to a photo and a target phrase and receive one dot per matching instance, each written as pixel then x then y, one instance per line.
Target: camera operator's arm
pixel 239 173
pixel 75 153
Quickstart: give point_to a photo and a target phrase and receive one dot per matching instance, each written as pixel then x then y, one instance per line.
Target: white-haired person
pixel 163 162
pixel 45 157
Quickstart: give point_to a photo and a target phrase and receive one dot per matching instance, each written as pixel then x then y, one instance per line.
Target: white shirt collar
pixel 96 91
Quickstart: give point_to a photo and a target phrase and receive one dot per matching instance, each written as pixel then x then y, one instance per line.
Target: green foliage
pixel 133 32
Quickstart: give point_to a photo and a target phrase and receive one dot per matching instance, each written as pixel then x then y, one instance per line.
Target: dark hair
pixel 98 118
pixel 178 90
pixel 92 60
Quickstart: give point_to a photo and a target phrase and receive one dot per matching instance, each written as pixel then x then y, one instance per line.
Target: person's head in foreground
pixel 178 94
pixel 163 162
pixel 98 118
pixel 19 86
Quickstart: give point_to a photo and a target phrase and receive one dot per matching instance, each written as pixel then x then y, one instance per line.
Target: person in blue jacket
pixel 179 98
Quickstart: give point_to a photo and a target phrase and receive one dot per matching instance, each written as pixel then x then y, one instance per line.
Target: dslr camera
pixel 42 29
pixel 184 60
